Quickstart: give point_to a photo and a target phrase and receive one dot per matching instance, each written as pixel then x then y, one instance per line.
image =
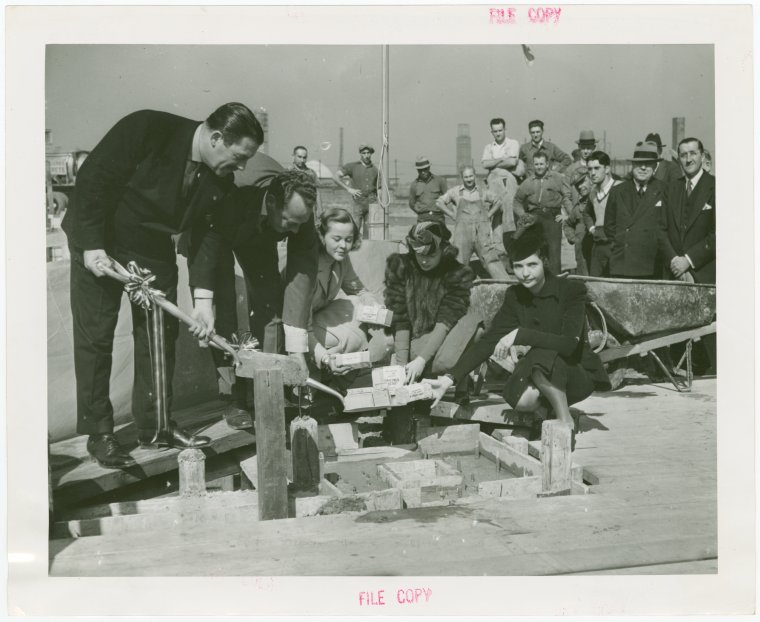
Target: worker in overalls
pixel 471 209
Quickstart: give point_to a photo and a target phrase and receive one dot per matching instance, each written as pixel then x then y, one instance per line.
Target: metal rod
pixel 158 354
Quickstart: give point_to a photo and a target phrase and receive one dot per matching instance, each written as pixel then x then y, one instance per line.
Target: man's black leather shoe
pixel 175 437
pixel 238 418
pixel 106 451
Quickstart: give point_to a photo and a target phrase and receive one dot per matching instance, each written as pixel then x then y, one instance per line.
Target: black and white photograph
pixel 400 308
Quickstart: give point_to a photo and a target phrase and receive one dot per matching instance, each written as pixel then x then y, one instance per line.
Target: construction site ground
pixel 652 509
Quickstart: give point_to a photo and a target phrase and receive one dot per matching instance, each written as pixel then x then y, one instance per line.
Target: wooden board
pixel 517 463
pixel 455 439
pixel 76 478
pixel 639 517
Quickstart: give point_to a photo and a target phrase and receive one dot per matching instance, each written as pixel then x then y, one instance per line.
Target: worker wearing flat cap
pixel 574 229
pixel 586 144
pixel 425 192
pixel 363 176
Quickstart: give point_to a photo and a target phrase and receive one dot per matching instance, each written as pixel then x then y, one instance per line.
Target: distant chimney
pixel 263 116
pixel 464 146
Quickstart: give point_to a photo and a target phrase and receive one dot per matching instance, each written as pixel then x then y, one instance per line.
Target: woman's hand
pixel 335 368
pixel 414 369
pixel 439 386
pixel 501 351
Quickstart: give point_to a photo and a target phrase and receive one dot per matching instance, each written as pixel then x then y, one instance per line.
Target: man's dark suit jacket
pixel 691 226
pixel 245 230
pixel 636 227
pixel 128 195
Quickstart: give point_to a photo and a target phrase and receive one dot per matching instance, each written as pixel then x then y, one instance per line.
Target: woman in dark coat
pixel 548 314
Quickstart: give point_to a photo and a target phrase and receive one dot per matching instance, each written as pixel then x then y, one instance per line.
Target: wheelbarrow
pixel 631 317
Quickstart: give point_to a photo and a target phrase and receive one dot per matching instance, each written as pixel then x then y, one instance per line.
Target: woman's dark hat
pixel 425 238
pixel 530 242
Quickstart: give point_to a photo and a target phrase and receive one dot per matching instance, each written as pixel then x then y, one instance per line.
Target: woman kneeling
pixel 548 314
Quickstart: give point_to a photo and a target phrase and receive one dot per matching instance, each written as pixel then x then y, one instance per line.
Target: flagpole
pixel 386 108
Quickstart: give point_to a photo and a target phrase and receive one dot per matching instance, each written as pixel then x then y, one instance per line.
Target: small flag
pixel 528 53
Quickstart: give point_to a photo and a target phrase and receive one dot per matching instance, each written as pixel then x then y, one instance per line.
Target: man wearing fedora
pixel 556 159
pixel 363 175
pixel 586 145
pixel 666 170
pixel 635 219
pixel 425 192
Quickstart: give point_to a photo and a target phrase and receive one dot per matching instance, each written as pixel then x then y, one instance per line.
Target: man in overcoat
pixel 634 220
pixel 690 243
pixel 152 176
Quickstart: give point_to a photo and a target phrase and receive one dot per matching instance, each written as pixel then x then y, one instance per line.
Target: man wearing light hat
pixel 363 189
pixel 425 192
pixel 666 170
pixel 586 145
pixel 635 218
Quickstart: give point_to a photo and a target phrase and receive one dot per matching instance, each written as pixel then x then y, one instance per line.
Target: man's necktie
pixel 689 188
pixel 642 190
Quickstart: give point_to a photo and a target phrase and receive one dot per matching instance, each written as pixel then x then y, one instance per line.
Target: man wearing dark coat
pixel 152 176
pixel 634 220
pixel 277 206
pixel 689 250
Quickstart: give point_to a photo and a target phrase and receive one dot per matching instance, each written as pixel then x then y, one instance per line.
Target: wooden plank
pixel 513 488
pixel 517 463
pixel 155 515
pixel 250 468
pixel 335 437
pixel 451 440
pixel 371 453
pixel 611 354
pixel 556 456
pixel 269 401
pixel 252 362
pixel 491 409
pixel 76 478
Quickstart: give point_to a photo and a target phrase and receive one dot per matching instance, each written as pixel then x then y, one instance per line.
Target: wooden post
pixel 192 472
pixel 304 453
pixel 271 454
pixel 556 457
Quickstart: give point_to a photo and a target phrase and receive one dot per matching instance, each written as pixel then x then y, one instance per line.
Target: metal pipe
pixel 158 362
pixel 310 382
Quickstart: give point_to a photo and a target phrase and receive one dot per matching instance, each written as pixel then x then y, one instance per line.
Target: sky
pixel 311 91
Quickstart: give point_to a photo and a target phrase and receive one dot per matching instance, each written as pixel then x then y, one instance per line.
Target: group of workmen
pixel 158 184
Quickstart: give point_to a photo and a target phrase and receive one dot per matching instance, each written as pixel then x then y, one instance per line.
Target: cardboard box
pixel 371 314
pixel 353 359
pixel 388 376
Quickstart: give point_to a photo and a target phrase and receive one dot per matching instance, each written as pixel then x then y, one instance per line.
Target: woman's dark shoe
pixel 106 451
pixel 175 437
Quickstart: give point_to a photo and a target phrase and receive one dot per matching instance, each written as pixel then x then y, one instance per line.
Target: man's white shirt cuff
pixel 690 262
pixel 296 339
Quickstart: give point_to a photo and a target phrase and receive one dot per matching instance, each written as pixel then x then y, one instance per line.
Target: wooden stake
pixel 192 472
pixel 556 456
pixel 271 453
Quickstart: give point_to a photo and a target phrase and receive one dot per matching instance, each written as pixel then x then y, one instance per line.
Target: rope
pixel 383 192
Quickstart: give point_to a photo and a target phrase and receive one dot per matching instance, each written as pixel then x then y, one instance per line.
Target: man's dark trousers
pixel 553 236
pixel 95 303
